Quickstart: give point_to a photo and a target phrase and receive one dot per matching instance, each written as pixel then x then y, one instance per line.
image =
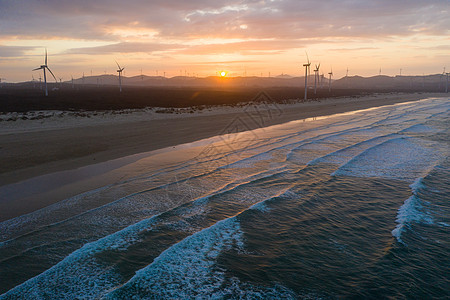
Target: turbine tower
pixel 1 82
pixel 329 80
pixel 43 67
pixel 316 78
pixel 307 66
pixel 119 70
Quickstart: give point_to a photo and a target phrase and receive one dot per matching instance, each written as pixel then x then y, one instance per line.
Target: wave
pixel 395 158
pixel 81 273
pixel 411 211
pixel 345 154
pixel 188 269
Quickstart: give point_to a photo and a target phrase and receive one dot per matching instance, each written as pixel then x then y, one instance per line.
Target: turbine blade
pixel 117 64
pixel 37 69
pixel 52 73
pixel 307 57
pixel 45 56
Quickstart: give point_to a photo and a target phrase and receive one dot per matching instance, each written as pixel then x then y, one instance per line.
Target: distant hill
pixel 434 82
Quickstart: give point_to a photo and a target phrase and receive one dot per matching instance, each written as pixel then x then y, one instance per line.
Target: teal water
pixel 348 206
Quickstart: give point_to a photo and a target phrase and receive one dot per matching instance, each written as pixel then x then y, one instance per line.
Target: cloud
pixel 126 47
pixel 263 19
pixel 178 31
pixel 246 47
pixel 14 51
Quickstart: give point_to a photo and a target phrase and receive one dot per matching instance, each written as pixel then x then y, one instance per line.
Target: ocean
pixel 354 205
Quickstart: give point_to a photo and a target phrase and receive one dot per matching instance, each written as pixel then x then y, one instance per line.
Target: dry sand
pixel 64 141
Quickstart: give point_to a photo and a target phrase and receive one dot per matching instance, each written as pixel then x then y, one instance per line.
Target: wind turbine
pixel 1 82
pixel 307 66
pixel 120 76
pixel 329 80
pixel 43 67
pixel 72 82
pixel 346 77
pixel 316 78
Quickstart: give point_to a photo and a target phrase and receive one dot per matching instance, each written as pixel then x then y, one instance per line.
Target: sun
pixel 223 73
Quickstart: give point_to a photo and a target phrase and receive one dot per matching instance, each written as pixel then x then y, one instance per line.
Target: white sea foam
pixel 411 211
pixel 79 275
pixel 345 154
pixel 419 128
pixel 396 158
pixel 189 270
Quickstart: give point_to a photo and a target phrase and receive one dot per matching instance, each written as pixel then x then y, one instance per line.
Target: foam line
pixel 394 159
pixel 411 211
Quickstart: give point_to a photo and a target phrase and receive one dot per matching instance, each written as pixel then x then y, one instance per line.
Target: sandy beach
pixel 31 148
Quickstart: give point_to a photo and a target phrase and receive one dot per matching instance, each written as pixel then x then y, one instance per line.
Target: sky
pixel 204 37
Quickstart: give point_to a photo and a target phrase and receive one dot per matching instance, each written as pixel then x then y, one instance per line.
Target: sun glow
pixel 223 73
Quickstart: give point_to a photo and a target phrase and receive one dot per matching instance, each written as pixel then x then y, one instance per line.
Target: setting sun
pixel 223 73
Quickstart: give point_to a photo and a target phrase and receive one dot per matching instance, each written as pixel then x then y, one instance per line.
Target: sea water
pixel 350 205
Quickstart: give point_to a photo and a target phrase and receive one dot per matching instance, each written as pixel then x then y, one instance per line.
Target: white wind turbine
pixel 329 80
pixel 316 78
pixel 307 66
pixel 120 75
pixel 43 67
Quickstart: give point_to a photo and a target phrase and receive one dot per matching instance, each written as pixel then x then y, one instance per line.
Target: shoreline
pixel 50 182
pixel 31 153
